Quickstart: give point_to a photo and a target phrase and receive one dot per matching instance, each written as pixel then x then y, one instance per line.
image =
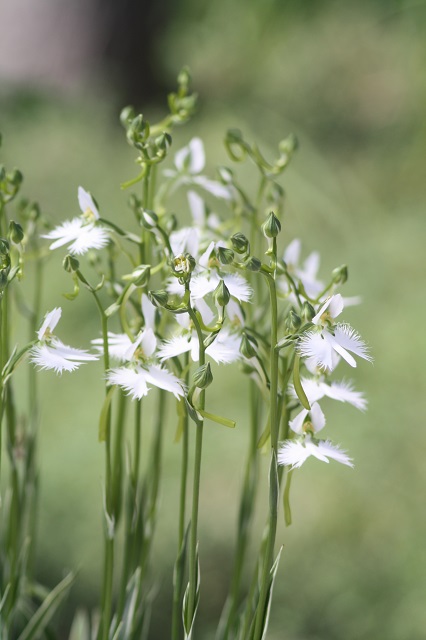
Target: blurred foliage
pixel 349 80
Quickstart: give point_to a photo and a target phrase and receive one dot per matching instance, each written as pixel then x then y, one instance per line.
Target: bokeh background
pixel 349 80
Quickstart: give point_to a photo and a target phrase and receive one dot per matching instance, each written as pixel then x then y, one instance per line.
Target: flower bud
pixel 162 143
pixel 126 116
pixel 4 263
pixel 240 243
pixel 16 232
pixel 340 274
pixel 308 312
pixel 184 79
pixel 158 298
pixel 288 145
pixel 226 256
pixel 272 226
pixel 70 264
pixel 247 346
pixel 203 376
pixel 2 172
pixel 140 276
pixel 253 264
pixel 221 294
pixel 226 176
pixel 293 321
pixel 15 177
pixel 149 219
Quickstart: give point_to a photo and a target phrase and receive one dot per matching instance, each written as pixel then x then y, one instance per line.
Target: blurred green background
pixel 348 79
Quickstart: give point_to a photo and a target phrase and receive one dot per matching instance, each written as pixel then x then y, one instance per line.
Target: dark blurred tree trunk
pixel 132 34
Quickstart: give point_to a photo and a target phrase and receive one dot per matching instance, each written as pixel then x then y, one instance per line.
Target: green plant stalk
pixel 193 569
pixel 177 591
pixel 273 493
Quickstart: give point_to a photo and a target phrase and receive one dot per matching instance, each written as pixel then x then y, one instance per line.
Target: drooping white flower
pixel 189 163
pixel 315 389
pixel 82 233
pixel 324 345
pixel 294 453
pixel 51 353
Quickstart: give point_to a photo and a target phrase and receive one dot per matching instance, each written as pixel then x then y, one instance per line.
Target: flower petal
pixel 133 381
pixel 50 321
pixel 164 380
pixel 86 202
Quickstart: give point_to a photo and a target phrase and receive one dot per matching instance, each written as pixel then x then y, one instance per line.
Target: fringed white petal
pixel 225 349
pixel 312 345
pixel 174 347
pixel 89 237
pixel 118 345
pixel 238 287
pixel 294 452
pixel 59 357
pixel 350 340
pixel 133 381
pixel 164 380
pixel 334 344
pixel 344 392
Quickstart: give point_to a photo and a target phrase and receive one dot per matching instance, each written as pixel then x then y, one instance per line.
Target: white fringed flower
pixel 51 353
pixel 189 163
pixel 294 453
pixel 307 273
pixel 82 233
pixel 141 369
pixel 324 345
pixel 225 348
pixel 315 389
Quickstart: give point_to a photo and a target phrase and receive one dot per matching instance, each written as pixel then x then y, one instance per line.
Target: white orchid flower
pixel 316 423
pixel 324 345
pixel 82 233
pixel 189 163
pixel 51 353
pixel 141 369
pixel 315 389
pixel 294 453
pixel 307 273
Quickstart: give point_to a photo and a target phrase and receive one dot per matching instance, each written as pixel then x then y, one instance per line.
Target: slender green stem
pixel 273 480
pixel 193 568
pixel 177 590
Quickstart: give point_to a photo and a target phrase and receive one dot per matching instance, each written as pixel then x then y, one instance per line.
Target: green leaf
pixel 80 629
pixel 39 621
pixel 298 385
pixel 286 499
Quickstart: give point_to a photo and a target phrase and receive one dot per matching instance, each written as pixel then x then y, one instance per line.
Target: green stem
pixel 193 568
pixel 273 479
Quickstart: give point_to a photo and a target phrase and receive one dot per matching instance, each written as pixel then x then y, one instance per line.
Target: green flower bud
pixel 15 177
pixel 126 116
pixel 253 264
pixel 16 232
pixel 158 298
pixel 221 294
pixel 240 243
pixel 184 79
pixel 247 346
pixel 226 256
pixel 289 144
pixel 308 312
pixel 272 226
pixel 2 172
pixel 70 264
pixel 140 276
pixel 203 376
pixel 34 212
pixel 340 274
pixel 149 219
pixel 4 263
pixel 293 321
pixel 163 142
pixel 226 176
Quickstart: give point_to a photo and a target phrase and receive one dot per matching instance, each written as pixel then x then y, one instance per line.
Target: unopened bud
pixel 226 176
pixel 149 219
pixel 16 232
pixel 253 264
pixel 140 276
pixel 184 78
pixel 4 263
pixel 293 321
pixel 126 116
pixel 308 312
pixel 247 346
pixel 163 142
pixel 240 243
pixel 158 298
pixel 226 256
pixel 340 274
pixel 70 264
pixel 203 376
pixel 15 177
pixel 289 144
pixel 221 294
pixel 272 226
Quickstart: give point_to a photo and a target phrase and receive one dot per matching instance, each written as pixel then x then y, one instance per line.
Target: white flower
pixel 189 163
pixel 343 391
pixel 307 273
pixel 225 348
pixel 82 233
pixel 51 353
pixel 141 369
pixel 316 423
pixel 295 452
pixel 324 345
